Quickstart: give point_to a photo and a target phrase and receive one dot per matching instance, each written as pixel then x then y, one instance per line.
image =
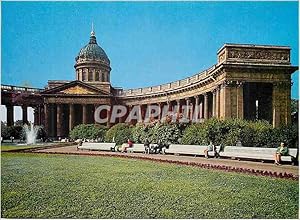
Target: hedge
pixel 88 131
pixel 230 131
pixel 166 133
pixel 119 133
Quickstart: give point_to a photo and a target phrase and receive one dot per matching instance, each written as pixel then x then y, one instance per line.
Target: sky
pixel 148 43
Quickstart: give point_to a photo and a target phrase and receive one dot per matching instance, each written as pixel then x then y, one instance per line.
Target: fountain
pixel 31 133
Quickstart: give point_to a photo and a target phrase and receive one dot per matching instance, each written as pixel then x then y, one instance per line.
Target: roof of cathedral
pixel 92 51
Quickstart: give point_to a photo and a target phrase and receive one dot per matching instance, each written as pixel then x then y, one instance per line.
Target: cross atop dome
pixel 92 32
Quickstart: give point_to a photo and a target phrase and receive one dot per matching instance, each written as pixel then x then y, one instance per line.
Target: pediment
pixel 75 88
pixel 78 90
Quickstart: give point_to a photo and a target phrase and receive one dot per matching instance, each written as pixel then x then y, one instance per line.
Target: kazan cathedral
pixel 247 82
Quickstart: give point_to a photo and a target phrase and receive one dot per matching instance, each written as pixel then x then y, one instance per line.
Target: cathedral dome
pixel 92 52
pixel 92 64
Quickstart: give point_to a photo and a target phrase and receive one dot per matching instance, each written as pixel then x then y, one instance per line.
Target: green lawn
pixel 14 147
pixel 59 186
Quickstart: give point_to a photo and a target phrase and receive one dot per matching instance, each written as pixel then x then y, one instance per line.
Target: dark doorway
pixel 258 101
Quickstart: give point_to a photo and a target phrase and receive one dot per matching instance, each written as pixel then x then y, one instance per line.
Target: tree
pixel 294 105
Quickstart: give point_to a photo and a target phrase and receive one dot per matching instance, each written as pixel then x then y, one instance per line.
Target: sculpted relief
pixel 77 90
pixel 259 54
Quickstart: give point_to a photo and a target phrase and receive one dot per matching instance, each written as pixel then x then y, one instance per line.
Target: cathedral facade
pixel 247 82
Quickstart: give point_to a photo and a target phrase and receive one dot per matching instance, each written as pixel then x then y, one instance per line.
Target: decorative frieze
pixel 254 54
pixel 259 54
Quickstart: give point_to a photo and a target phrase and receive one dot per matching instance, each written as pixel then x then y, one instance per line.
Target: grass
pixel 14 147
pixel 60 186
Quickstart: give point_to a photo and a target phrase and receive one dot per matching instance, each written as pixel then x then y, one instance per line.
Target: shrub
pixel 41 133
pixel 4 131
pixel 88 131
pixel 164 132
pixel 250 133
pixel 195 134
pixel 16 132
pixel 288 134
pixel 120 133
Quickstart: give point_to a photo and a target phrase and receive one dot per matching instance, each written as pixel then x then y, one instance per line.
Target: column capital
pixel 240 83
pixel 228 83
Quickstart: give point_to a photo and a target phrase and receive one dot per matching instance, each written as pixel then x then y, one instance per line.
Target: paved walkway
pixel 188 160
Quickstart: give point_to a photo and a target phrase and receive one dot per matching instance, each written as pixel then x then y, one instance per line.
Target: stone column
pixel 140 119
pixel 187 102
pixel 178 108
pixel 205 106
pixel 281 103
pixel 240 100
pixel 94 110
pixel 84 115
pixel 24 114
pixel 10 115
pixel 36 115
pixel 225 100
pixel 196 113
pixel 59 120
pixel 288 109
pixel 108 118
pixel 160 110
pixel 129 108
pixel 143 112
pixel 80 74
pixel 46 118
pixel 41 115
pixel 214 103
pixel 201 111
pixel 86 74
pixel 71 116
pixel 52 121
pixel 217 102
pixel 94 74
pixel 105 77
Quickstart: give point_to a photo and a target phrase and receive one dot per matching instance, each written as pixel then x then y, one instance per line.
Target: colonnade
pixel 233 99
pixel 38 114
pixel 197 108
pixel 92 74
pixel 62 118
